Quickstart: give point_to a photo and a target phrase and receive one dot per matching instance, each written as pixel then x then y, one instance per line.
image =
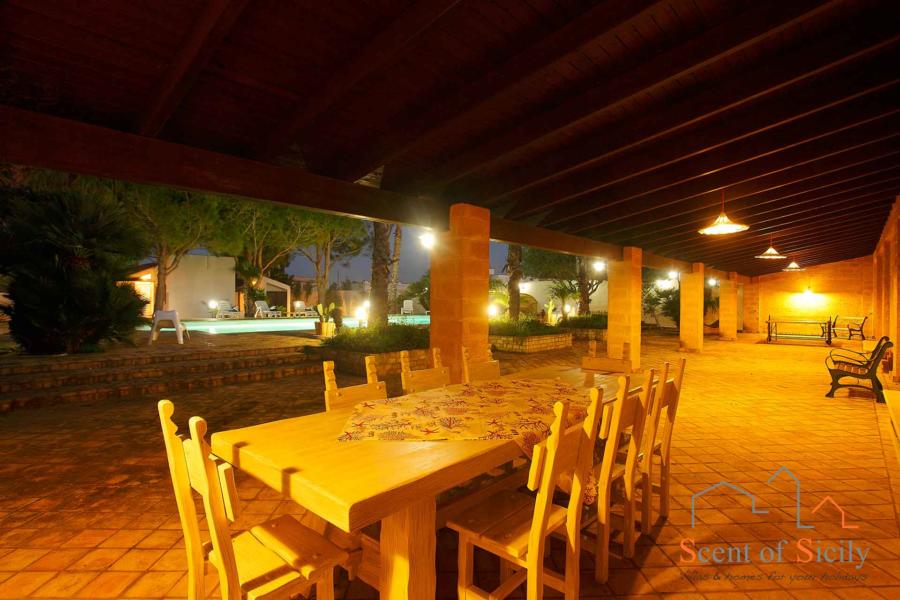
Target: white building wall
pixel 540 290
pixel 197 280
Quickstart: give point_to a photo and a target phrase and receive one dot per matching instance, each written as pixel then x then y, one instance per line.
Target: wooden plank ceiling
pixel 620 121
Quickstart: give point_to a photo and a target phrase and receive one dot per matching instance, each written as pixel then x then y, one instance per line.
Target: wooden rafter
pixel 208 31
pixel 588 27
pixel 384 47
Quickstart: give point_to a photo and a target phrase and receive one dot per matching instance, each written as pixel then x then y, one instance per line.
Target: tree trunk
pixel 584 291
pixel 160 297
pixel 381 257
pixel 395 268
pixel 514 269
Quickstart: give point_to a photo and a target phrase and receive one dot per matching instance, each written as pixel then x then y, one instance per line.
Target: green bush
pixel 66 255
pixel 596 321
pixel 376 340
pixel 521 328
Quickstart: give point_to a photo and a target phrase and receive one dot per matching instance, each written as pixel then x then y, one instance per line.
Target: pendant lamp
pixel 723 225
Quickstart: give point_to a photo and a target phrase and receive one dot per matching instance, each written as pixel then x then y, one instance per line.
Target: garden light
pixel 361 313
pixel 297 304
pixel 367 304
pixel 523 286
pixel 673 275
pixel 492 310
pixel 665 284
pixel 427 240
pixel 599 266
pixel 713 282
pixel 212 304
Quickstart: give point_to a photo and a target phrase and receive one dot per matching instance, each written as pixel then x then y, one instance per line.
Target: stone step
pixel 24 382
pixel 155 387
pixel 44 364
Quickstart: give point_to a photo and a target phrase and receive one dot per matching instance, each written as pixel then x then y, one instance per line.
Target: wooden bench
pixel 858 366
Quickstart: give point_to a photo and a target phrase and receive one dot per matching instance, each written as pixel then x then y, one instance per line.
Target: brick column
pixel 624 306
pixel 751 306
pixel 460 264
pixel 728 307
pixel 691 325
pixel 894 279
pixel 877 318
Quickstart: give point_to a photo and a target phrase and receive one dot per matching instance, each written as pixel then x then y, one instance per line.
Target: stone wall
pixel 531 343
pixel 841 288
pixel 387 363
pixel 589 334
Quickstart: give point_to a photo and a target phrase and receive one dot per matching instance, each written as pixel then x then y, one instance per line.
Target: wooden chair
pixel 347 397
pixel 479 371
pixel 277 559
pixel 515 526
pixel 424 379
pixel 629 411
pixel 659 444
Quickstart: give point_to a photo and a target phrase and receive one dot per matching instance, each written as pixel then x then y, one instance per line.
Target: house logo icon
pixel 761 511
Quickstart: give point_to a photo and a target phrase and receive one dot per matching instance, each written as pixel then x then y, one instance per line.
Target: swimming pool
pixel 217 326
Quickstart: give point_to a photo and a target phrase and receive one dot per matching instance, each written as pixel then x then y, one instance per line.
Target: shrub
pixel 595 321
pixel 66 255
pixel 376 340
pixel 521 328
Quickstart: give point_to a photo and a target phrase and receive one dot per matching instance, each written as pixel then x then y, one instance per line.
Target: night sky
pixel 413 261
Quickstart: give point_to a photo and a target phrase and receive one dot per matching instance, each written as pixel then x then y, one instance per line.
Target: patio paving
pixel 87 510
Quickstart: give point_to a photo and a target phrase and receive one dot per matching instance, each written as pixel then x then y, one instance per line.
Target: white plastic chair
pixel 169 317
pixel 263 310
pixel 407 308
pixel 224 310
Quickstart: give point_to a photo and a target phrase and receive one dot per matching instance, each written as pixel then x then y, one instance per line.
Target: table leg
pixel 408 543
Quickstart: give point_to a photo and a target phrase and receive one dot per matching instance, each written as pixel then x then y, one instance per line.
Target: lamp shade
pixel 723 225
pixel 771 254
pixel 793 266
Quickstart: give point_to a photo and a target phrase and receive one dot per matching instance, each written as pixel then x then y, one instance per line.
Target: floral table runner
pixel 519 409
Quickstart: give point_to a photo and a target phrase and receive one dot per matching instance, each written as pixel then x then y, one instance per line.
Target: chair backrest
pixel 213 479
pixel 262 305
pixel 628 411
pixel 225 306
pixel 407 306
pixel 479 371
pixel 347 397
pixel 884 344
pixel 186 477
pixel 656 402
pixel 423 379
pixel 671 394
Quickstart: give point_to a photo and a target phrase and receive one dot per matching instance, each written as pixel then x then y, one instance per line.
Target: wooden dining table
pixel 355 484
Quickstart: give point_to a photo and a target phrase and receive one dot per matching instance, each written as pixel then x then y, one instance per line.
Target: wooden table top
pixel 355 484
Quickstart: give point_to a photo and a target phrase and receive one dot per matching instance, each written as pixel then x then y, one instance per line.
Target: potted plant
pixel 324 327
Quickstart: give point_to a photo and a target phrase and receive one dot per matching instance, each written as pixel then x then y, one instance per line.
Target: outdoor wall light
pixel 492 310
pixel 665 284
pixel 599 266
pixel 713 282
pixel 427 240
pixel 212 304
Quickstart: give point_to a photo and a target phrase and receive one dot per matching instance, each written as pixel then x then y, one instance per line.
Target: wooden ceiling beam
pixel 383 49
pixel 837 184
pixel 208 31
pixel 411 131
pixel 813 256
pixel 862 174
pixel 725 40
pixel 848 125
pixel 781 120
pixel 37 140
pixel 783 168
pixel 735 93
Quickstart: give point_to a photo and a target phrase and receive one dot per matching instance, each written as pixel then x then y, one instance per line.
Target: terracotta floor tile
pixel 153 585
pixel 22 584
pixel 65 585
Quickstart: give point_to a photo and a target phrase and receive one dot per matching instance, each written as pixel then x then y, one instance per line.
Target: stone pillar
pixel 691 325
pixel 751 306
pixel 728 307
pixel 877 318
pixel 460 265
pixel 624 306
pixel 894 276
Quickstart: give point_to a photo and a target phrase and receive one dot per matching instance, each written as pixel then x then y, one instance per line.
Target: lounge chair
pixel 224 310
pixel 407 308
pixel 302 310
pixel 263 310
pixel 844 364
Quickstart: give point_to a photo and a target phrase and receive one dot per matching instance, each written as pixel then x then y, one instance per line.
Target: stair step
pixel 156 387
pixel 44 364
pixel 136 373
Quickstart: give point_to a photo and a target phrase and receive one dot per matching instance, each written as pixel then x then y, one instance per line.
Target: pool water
pixel 216 326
